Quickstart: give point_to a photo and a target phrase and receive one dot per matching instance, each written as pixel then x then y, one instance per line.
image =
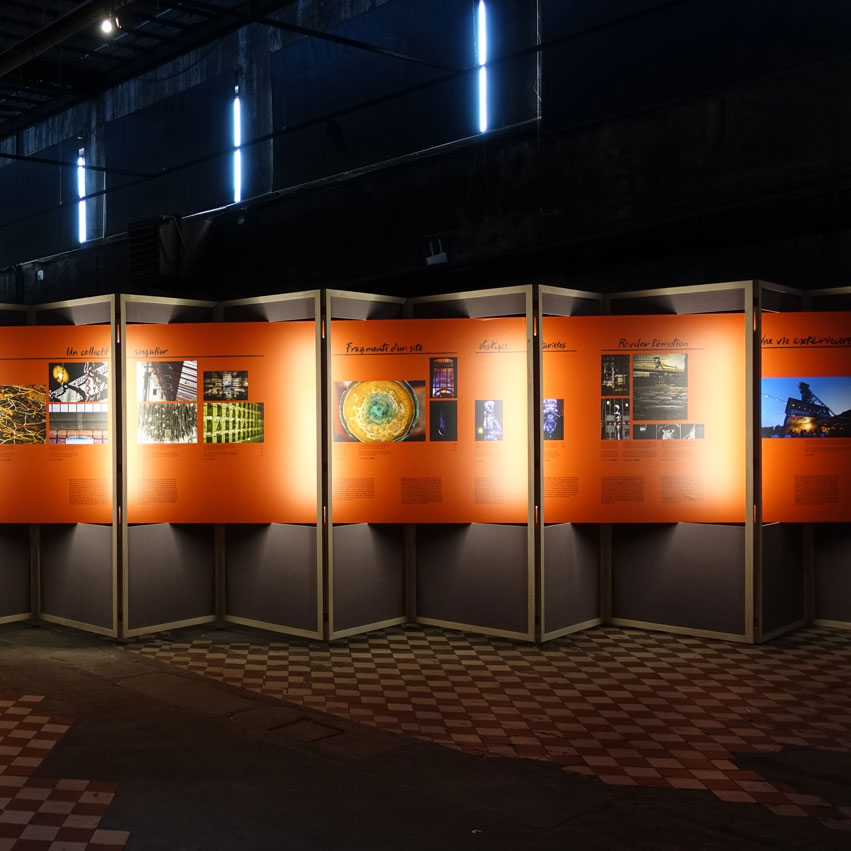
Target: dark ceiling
pixel 53 53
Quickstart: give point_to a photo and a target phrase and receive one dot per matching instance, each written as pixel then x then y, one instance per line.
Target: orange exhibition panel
pixel 221 423
pixel 429 421
pixel 643 419
pixel 806 417
pixel 55 439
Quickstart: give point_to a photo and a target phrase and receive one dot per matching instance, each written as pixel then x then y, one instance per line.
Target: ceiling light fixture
pixel 109 24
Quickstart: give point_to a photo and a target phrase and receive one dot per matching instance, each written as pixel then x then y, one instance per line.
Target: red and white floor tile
pixel 633 708
pixel 39 813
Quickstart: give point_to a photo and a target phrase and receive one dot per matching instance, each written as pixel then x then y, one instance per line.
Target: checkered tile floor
pixel 632 708
pixel 39 813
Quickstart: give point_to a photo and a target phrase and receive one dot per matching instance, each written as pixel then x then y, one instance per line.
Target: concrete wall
pixel 735 172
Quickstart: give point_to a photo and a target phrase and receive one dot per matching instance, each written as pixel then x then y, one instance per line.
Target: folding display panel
pixel 830 543
pixel 273 571
pixel 570 587
pixel 168 571
pixel 369 569
pixel 479 573
pixel 75 546
pixel 220 429
pixel 806 417
pixel 429 459
pixel 782 564
pixel 524 462
pixel 17 600
pixel 696 468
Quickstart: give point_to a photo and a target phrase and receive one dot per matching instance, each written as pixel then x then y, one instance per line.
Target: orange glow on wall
pixel 463 458
pixel 221 423
pixel 55 439
pixel 806 417
pixel 644 419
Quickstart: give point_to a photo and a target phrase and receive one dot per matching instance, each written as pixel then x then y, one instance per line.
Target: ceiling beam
pixel 257 17
pixel 194 38
pixel 51 35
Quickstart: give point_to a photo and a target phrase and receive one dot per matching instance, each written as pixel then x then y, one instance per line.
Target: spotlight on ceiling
pixel 108 25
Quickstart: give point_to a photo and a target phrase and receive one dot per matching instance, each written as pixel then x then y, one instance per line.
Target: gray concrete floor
pixel 202 766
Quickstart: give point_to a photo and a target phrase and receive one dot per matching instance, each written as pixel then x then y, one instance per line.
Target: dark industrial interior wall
pixel 740 182
pixel 185 128
pixel 616 57
pixel 32 222
pixel 312 79
pixel 342 108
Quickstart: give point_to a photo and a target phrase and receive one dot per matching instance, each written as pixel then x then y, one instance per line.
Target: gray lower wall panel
pixel 369 574
pixel 171 573
pixel 77 575
pixel 272 574
pixel 571 575
pixel 689 575
pixel 14 570
pixel 832 566
pixel 473 574
pixel 782 577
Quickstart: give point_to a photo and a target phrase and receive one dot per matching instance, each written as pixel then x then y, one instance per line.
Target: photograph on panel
pixel 488 419
pixel 78 424
pixel 667 431
pixel 23 413
pixel 167 381
pixel 691 431
pixel 818 406
pixel 80 383
pixel 614 375
pixel 444 378
pixel 443 421
pixel 380 410
pixel 233 422
pixel 644 431
pixel 226 386
pixel 167 422
pixel 552 419
pixel 660 386
pixel 614 419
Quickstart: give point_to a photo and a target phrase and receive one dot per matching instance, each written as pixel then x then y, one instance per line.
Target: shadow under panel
pixel 77 574
pixel 832 564
pixel 271 310
pixel 782 577
pixel 571 575
pixel 369 574
pixel 689 575
pixel 170 574
pixel 272 575
pixel 474 306
pixel 84 312
pixel 474 574
pixel 14 570
pixel 710 299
